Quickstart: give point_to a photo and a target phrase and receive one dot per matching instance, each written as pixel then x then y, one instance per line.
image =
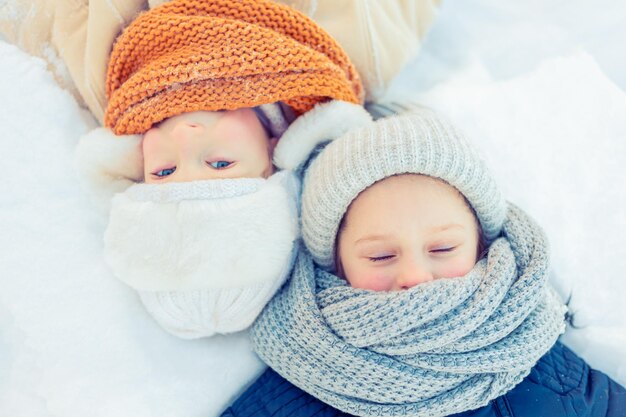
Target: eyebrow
pixel 443 228
pixel 372 238
pixel 435 229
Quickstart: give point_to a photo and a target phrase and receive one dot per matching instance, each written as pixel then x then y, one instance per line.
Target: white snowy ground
pixel 535 84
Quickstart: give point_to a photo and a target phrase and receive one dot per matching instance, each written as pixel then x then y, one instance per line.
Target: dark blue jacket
pixel 560 384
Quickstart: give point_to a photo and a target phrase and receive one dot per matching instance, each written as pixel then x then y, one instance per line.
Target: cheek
pixel 367 277
pixel 243 130
pixel 374 282
pixel 252 150
pixel 257 148
pixel 150 144
pixel 358 271
pixel 455 268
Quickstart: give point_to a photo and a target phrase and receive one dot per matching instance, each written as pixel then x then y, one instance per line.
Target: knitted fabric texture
pixel 436 349
pixel 192 314
pixel 189 55
pixel 209 234
pixel 421 143
pixel 205 256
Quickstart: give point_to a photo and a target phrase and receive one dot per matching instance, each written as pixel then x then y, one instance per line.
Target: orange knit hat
pixel 189 55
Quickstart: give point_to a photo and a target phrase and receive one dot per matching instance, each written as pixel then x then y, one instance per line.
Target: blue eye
pixel 220 164
pixel 164 172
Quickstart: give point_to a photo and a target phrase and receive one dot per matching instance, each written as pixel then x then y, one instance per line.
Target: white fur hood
pixel 203 234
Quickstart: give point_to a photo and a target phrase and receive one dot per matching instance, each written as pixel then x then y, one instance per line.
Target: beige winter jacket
pixel 75 37
pixel 380 36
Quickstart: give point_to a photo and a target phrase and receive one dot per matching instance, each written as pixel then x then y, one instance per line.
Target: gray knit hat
pixel 420 142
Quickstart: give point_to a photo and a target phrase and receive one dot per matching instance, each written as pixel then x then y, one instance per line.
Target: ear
pixel 325 122
pixel 108 164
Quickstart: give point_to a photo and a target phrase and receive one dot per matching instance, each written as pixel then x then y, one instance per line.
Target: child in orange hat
pixel 211 106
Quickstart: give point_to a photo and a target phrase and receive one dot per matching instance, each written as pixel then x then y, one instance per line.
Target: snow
pixel 539 87
pixel 74 340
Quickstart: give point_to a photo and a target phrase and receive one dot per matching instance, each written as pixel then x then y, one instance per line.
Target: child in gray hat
pixel 420 292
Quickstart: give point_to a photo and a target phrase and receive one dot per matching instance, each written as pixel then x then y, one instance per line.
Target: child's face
pixel 206 145
pixel 406 230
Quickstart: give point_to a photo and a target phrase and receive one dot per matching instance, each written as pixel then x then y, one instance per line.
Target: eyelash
pixel 380 258
pixel 159 173
pixel 224 167
pixel 173 169
pixel 387 257
pixel 443 250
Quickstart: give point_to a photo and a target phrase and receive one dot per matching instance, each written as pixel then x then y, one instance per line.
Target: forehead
pixel 407 197
pixel 243 116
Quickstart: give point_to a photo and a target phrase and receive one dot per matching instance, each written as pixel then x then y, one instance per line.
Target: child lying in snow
pixel 420 292
pixel 203 224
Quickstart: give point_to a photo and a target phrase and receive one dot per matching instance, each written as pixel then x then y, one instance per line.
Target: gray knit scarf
pixel 436 349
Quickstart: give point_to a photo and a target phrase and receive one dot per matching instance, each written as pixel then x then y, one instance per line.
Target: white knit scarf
pixel 436 349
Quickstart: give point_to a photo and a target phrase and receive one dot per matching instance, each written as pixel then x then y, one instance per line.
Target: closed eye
pixel 380 258
pixel 443 249
pixel 164 172
pixel 220 164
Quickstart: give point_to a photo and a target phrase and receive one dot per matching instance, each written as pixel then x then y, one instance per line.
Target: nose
pixel 412 273
pixel 184 130
pixel 184 135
